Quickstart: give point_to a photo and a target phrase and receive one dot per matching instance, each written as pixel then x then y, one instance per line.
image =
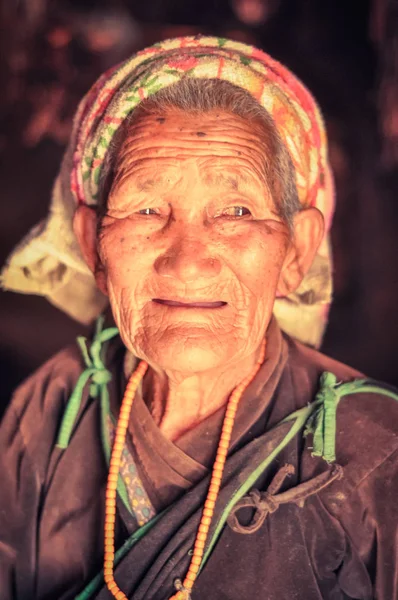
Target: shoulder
pixel 366 417
pixel 60 370
pixel 365 412
pixel 306 359
pixel 49 382
pixel 38 403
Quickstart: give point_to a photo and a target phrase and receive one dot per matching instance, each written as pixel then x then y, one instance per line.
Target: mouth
pixel 195 304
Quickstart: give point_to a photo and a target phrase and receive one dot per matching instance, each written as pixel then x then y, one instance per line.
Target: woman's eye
pixel 232 211
pixel 143 211
pixel 237 211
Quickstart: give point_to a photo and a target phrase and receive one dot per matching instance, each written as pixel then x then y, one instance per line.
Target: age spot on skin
pixel 200 134
pixel 161 119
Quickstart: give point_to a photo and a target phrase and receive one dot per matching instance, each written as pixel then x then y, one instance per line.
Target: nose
pixel 187 260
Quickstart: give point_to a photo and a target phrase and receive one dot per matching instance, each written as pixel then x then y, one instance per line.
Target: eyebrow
pixel 229 181
pixel 146 185
pixel 215 178
pixel 232 183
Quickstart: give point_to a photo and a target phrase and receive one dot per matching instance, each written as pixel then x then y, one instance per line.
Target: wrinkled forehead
pixel 218 150
pixel 216 140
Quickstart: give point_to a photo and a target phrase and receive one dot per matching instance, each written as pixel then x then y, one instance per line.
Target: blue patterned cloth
pixel 140 504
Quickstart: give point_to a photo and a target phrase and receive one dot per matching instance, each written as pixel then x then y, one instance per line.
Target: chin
pixel 188 356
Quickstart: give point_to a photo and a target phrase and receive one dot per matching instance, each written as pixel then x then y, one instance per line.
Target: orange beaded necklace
pixel 215 482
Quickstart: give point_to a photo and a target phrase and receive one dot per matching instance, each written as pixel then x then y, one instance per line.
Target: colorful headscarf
pixel 48 261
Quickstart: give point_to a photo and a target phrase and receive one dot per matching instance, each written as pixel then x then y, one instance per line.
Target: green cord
pixel 96 371
pixel 322 423
pixel 100 377
pixel 323 420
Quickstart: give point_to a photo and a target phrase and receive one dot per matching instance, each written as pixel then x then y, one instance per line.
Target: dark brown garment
pixel 342 543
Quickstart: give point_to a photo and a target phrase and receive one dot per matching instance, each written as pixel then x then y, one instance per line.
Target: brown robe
pixel 339 542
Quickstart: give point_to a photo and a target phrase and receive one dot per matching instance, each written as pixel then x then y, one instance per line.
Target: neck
pixel 179 402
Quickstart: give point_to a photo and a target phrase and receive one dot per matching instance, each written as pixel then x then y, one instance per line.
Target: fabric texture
pixel 140 504
pixel 340 543
pixel 48 261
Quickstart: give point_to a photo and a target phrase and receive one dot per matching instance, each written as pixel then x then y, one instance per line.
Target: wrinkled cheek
pixel 122 299
pixel 121 270
pixel 263 282
pixel 260 271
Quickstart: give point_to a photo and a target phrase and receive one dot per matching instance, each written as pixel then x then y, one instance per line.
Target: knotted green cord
pixel 322 422
pixel 100 377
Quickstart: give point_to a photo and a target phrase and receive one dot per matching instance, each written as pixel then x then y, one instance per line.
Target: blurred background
pixel 346 52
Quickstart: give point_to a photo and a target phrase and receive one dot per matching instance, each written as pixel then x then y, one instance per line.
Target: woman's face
pixel 190 218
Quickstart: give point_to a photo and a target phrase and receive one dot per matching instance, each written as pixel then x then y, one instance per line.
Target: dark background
pixel 347 54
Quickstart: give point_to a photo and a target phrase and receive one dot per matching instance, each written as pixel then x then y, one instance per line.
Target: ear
pixel 85 228
pixel 308 230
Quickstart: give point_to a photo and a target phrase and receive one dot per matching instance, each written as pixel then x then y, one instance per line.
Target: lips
pixel 196 304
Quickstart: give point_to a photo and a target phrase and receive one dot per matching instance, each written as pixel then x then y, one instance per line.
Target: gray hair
pixel 200 96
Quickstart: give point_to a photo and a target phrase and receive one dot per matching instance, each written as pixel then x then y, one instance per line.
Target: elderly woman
pixel 194 450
